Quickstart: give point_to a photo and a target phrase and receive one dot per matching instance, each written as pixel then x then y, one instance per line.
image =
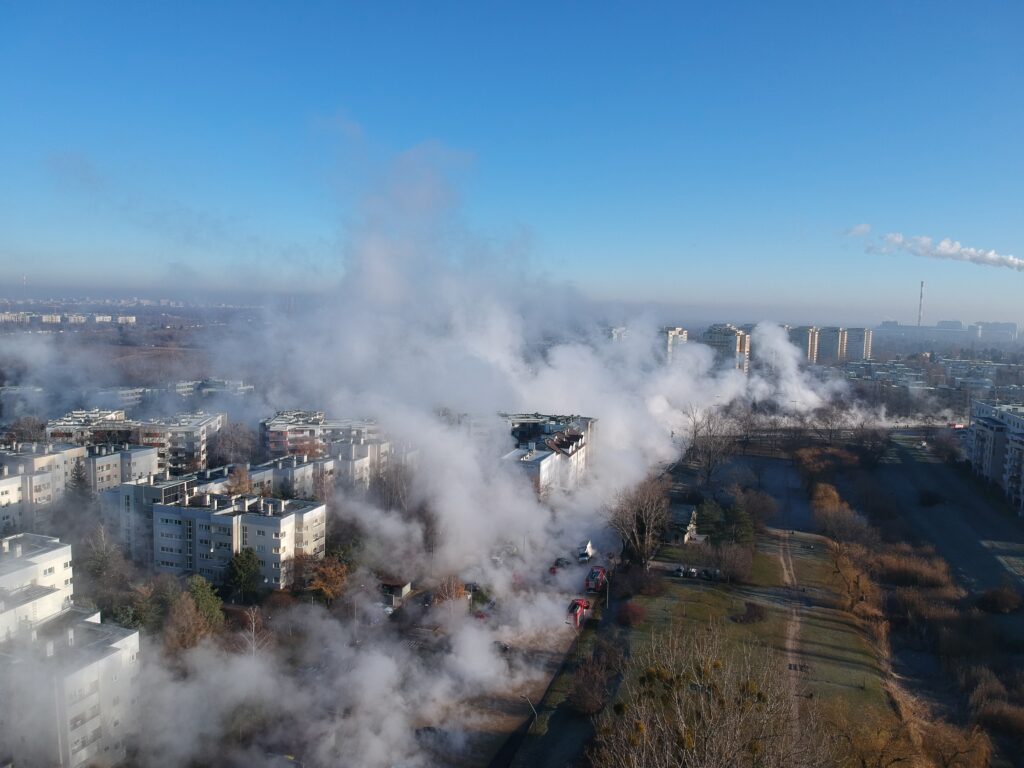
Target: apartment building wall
pixel 36 580
pixel 731 345
pixel 858 344
pixel 202 536
pixel 82 672
pixel 127 512
pixel 806 338
pixel 831 345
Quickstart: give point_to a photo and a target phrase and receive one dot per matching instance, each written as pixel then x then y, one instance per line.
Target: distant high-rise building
pixel 858 344
pixel 673 338
pixel 618 333
pixel 731 345
pixel 831 345
pixel 805 337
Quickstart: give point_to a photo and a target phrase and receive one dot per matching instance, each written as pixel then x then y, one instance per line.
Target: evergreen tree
pixel 206 600
pixel 78 487
pixel 244 572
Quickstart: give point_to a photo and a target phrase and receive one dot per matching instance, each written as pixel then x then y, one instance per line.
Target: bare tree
pixel 874 742
pixel 450 588
pixel 640 516
pixel 239 481
pixel 711 440
pixel 185 625
pixel 950 746
pixel 829 421
pixel 234 444
pixel 688 702
pixel 391 488
pixel 27 429
pixel 253 637
pixel 329 578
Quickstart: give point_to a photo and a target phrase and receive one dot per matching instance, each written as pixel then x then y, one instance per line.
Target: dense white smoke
pixel 423 318
pixel 946 249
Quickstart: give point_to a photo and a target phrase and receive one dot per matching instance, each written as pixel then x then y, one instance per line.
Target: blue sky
pixel 704 156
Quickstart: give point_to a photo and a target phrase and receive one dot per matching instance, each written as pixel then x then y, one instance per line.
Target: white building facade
pixel 202 534
pixel 996 448
pixel 67 681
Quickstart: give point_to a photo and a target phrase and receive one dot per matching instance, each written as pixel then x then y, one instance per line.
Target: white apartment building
pixel 107 466
pixel 82 426
pixel 202 532
pixel 858 344
pixel 303 477
pixel 831 345
pixel 673 338
pixel 67 682
pixel 805 338
pixel 310 432
pixel 35 580
pixel 127 511
pixel 181 441
pixel 996 448
pixel 188 436
pixel 731 345
pixel 43 471
pixel 552 450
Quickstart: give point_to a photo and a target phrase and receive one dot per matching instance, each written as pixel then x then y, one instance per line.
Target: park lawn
pixel 767 570
pixel 841 662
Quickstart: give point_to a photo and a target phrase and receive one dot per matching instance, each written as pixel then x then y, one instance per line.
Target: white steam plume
pixel 945 249
pixel 425 318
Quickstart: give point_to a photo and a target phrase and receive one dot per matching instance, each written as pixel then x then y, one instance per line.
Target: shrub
pixel 987 688
pixel 650 584
pixel 1001 716
pixel 630 614
pixel 911 570
pixel 753 614
pixel 1004 599
pixel 589 687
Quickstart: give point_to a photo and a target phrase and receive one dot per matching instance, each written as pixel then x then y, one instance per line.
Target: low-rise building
pixel 68 682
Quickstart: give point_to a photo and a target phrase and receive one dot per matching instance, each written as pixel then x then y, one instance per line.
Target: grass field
pixel 834 660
